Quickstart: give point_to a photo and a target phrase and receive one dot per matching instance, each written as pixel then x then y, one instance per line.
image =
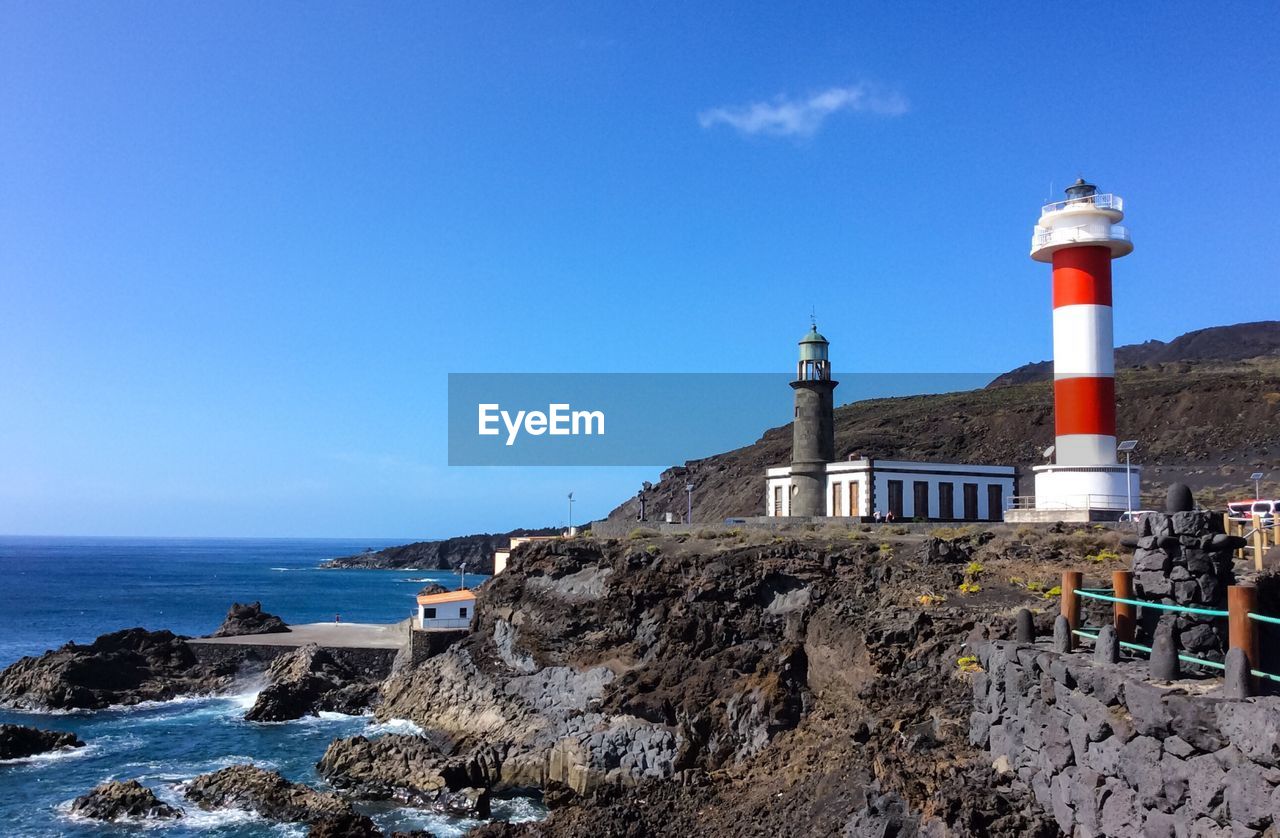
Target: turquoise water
pixel 56 590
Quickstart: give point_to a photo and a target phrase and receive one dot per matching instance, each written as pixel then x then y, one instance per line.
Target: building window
pixel 428 613
pixel 777 501
pixel 462 612
pixel 995 502
pixel 920 499
pixel 971 501
pixel 947 501
pixel 895 498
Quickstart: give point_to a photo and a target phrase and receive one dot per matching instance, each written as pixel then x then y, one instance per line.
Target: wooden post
pixel 1259 544
pixel 1071 582
pixel 1243 632
pixel 1126 615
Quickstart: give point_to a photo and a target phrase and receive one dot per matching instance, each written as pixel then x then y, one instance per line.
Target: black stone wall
pixel 1110 754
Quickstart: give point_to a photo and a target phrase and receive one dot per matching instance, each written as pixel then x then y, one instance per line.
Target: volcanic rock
pixel 115 800
pixel 124 667
pixel 350 825
pixel 249 619
pixel 432 589
pixel 264 792
pixel 18 741
pixel 410 769
pixel 307 681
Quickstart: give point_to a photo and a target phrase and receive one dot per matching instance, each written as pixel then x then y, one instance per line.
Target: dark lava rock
pixel 114 800
pixel 432 589
pixel 17 741
pixel 249 619
pixel 124 667
pixel 351 825
pixel 307 681
pixel 409 769
pixel 265 792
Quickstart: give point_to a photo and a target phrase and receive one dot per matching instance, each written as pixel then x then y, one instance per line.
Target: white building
pixel 928 491
pixel 450 610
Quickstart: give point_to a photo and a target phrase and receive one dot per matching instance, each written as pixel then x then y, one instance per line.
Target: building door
pixel 971 501
pixel 836 499
pixel 947 501
pixel 920 490
pixel 895 498
pixel 855 506
pixel 777 501
pixel 995 502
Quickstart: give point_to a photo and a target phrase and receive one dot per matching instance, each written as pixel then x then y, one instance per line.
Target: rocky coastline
pixel 724 682
pixel 475 551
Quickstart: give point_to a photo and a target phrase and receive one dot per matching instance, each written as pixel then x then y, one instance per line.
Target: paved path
pixel 330 635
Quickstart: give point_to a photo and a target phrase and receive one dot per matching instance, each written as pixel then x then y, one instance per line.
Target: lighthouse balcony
pixel 1046 240
pixel 1109 203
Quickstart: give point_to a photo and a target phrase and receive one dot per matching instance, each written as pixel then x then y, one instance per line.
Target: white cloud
pixel 786 117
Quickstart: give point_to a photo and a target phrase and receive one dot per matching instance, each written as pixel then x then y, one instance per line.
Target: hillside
pixel 1218 343
pixel 1207 419
pixel 476 551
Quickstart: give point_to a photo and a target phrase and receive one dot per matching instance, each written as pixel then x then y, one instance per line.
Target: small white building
pixel 450 610
pixel 929 491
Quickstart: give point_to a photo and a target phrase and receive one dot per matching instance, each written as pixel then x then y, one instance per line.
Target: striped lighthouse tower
pixel 1080 236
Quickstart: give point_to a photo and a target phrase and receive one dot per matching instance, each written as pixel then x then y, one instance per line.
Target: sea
pixel 54 590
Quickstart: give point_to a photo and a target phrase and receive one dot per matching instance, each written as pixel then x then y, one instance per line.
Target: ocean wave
pixel 395 726
pixel 57 755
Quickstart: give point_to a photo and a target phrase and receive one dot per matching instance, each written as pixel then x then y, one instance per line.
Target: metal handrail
pixel 1108 200
pixel 1029 502
pixel 1118 233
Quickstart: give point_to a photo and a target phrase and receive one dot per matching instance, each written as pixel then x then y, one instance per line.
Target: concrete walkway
pixel 328 635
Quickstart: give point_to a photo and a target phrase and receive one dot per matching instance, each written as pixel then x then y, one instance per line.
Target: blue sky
pixel 242 245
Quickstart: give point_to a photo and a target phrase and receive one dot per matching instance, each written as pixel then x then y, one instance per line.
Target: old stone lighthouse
pixel 817 485
pixel 813 442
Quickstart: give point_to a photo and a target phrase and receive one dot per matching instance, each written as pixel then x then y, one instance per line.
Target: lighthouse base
pixel 1079 493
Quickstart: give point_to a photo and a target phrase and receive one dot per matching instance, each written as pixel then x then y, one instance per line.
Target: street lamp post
pixel 571 513
pixel 688 490
pixel 1127 447
pixel 1256 477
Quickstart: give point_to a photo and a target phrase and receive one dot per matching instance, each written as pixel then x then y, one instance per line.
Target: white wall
pixel 883 476
pixel 448 614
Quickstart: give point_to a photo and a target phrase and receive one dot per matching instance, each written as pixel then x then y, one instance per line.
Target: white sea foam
pixel 395 726
pixel 57 755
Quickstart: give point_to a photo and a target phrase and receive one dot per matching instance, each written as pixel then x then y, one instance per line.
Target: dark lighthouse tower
pixel 813 443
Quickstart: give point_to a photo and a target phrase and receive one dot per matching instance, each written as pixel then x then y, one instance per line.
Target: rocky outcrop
pixel 249 619
pixel 475 551
pixel 264 792
pixel 356 826
pixel 19 741
pixel 412 770
pixel 308 681
pixel 432 589
pixel 115 800
pixel 744 686
pixel 124 667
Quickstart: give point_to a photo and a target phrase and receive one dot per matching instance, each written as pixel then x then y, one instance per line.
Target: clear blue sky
pixel 241 245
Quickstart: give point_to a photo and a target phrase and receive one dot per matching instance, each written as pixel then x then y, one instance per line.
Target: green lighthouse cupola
pixel 814 364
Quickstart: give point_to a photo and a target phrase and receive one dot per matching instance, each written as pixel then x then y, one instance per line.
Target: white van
pixel 1264 511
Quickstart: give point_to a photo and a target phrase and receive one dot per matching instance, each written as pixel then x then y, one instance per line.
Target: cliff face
pixel 730 685
pixel 1206 423
pixel 476 551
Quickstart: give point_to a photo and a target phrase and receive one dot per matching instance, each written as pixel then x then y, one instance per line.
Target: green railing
pixel 1107 595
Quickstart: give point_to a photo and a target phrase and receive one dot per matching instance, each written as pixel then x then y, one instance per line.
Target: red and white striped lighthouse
pixel 1080 236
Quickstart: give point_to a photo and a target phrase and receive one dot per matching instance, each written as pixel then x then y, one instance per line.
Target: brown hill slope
pixel 1218 343
pixel 1210 423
